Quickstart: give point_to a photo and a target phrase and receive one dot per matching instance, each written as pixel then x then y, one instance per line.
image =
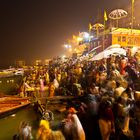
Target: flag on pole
pixel 105 16
pixel 90 27
pixel 133 1
pixel 105 19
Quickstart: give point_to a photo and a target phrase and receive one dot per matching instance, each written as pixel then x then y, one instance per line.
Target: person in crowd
pixel 106 120
pixel 25 131
pixel 44 132
pixel 72 128
pixel 51 87
pixel 115 79
pixel 123 64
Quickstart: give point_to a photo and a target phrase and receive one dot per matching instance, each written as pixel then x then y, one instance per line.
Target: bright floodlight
pixel 67 46
pixel 84 35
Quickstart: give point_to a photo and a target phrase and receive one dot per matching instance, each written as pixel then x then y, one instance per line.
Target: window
pixel 123 39
pixel 130 41
pixel 137 41
pixel 119 38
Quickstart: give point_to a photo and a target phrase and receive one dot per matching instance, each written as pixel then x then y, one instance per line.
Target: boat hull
pixel 9 105
pixel 10 85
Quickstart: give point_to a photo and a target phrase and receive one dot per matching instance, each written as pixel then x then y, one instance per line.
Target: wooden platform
pixel 56 99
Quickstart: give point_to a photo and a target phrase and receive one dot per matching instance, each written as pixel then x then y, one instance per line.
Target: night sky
pixel 37 29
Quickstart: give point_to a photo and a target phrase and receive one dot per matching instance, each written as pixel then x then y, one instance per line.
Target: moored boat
pixel 10 104
pixel 10 84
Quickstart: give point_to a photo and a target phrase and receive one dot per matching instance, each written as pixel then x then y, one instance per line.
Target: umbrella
pixel 117 14
pixel 106 53
pixel 97 27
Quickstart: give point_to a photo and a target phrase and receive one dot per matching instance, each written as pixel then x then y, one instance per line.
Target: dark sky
pixel 37 29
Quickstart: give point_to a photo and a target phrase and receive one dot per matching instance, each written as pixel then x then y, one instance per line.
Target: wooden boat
pixel 10 104
pixel 9 85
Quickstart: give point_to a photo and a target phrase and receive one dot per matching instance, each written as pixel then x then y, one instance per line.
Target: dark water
pixel 9 125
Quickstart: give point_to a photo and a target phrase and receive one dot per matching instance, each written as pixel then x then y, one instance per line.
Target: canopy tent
pixel 106 53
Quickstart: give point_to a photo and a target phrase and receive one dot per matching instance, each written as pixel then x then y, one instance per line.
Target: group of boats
pixel 11 72
pixel 10 80
pixel 11 102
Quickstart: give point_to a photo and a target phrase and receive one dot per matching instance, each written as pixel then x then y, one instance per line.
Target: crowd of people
pixel 109 97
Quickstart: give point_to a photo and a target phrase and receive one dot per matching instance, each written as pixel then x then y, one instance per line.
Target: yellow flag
pixel 90 27
pixel 105 16
pixel 133 1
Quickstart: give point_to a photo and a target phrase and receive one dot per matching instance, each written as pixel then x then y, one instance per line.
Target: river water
pixel 9 125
